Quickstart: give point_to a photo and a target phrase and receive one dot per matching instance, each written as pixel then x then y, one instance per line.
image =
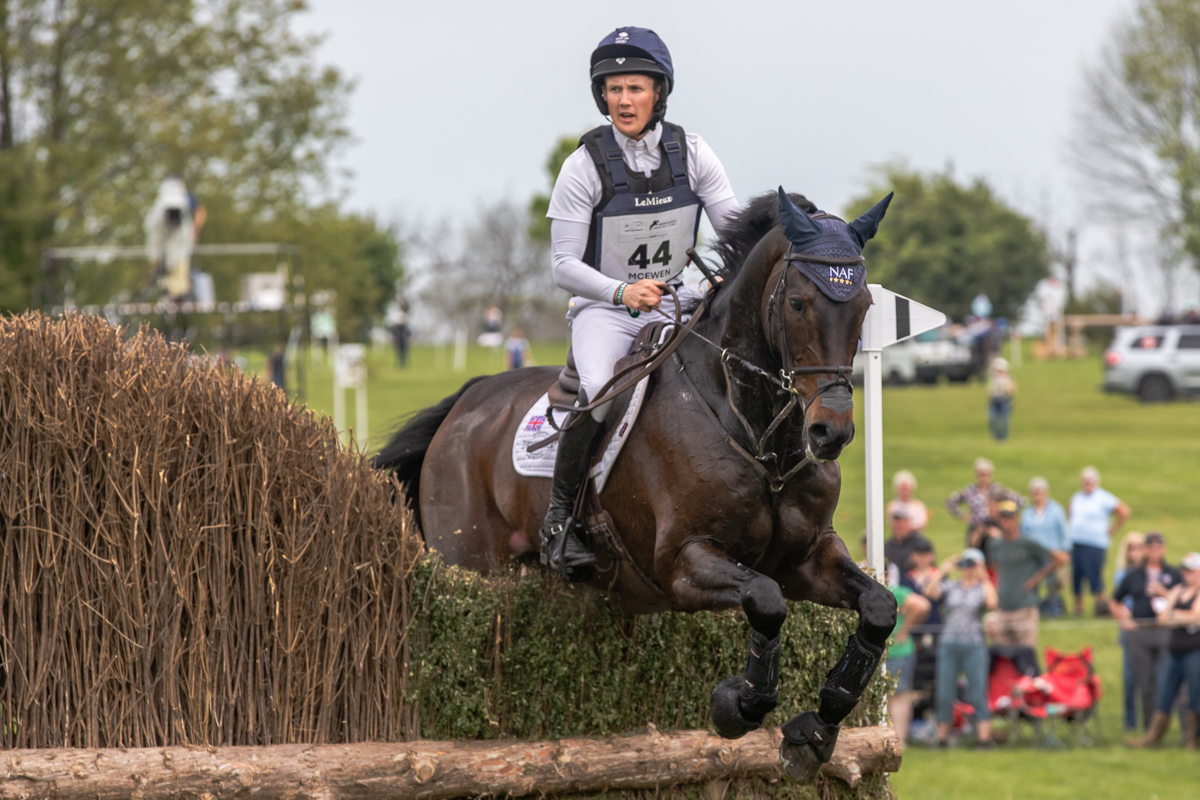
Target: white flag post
pixel 891 318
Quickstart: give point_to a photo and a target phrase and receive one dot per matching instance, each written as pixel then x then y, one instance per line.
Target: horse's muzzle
pixel 827 440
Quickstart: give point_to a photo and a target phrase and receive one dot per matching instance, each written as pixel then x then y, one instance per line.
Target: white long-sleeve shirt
pixel 578 190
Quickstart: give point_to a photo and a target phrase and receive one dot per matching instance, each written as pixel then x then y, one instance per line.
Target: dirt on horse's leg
pixel 830 577
pixel 706 578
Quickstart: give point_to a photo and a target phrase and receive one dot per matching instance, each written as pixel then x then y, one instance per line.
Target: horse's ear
pixel 800 229
pixel 864 227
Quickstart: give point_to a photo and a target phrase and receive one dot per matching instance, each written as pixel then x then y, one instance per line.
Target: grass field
pixel 1149 456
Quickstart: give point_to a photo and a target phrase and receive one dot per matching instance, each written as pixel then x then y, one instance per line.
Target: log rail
pixel 424 770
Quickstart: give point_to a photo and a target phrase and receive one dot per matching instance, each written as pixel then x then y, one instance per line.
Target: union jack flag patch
pixel 535 423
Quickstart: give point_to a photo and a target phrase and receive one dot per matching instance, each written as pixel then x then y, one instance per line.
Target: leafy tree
pixel 942 243
pixel 1137 141
pixel 539 226
pixel 99 100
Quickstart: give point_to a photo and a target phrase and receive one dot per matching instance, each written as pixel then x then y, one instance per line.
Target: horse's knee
pixel 762 600
pixel 877 614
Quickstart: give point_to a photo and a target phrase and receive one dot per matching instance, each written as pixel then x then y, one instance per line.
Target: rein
pixel 638 369
pixel 761 457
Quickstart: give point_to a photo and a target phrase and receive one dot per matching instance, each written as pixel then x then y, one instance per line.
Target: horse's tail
pixel 405 453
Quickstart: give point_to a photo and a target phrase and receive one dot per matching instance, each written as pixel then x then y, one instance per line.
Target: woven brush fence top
pixel 186 557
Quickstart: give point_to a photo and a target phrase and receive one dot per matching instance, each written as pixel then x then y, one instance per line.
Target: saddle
pixel 565 390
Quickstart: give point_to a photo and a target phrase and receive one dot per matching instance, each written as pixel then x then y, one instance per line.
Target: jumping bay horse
pixel 725 490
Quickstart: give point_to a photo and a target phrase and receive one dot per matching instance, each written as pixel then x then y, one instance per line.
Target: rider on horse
pixel 624 210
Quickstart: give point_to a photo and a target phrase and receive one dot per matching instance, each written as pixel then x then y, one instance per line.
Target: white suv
pixel 1155 362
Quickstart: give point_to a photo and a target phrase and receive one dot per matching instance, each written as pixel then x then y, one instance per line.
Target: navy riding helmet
pixel 636 51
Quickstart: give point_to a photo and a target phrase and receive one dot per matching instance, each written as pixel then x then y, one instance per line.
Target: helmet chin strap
pixel 659 112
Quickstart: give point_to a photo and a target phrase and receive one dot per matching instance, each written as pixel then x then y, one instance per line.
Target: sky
pixel 458 104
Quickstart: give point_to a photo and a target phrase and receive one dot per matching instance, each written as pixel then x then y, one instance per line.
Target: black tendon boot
pixel 562 548
pixel 809 738
pixel 739 704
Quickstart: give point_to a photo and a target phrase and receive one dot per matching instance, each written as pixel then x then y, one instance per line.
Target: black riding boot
pixel 562 548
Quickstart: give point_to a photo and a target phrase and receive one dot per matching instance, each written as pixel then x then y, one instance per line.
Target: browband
pixel 815 259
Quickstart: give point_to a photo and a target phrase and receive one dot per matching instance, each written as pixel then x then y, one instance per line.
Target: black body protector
pixel 642 226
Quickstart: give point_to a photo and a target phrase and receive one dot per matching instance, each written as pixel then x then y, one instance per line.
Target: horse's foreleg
pixel 830 577
pixel 705 578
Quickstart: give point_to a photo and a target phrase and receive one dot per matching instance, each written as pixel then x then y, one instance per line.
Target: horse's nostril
pixel 823 435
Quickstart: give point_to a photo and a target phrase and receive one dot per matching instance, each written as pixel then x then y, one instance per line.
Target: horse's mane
pixel 745 228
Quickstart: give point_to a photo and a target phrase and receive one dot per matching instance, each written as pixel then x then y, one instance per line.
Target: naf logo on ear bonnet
pixel 826 249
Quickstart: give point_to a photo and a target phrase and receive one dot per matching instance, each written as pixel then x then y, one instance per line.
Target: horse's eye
pixel 798 304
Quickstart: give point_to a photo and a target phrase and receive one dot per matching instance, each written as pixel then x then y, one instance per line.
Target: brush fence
pixel 188 559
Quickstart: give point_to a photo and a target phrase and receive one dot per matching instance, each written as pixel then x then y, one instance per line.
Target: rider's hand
pixel 645 295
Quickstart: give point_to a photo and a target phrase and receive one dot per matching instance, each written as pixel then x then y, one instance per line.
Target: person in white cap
pixel 961 649
pixel 1000 388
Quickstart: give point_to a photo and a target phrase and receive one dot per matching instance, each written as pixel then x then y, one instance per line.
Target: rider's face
pixel 631 101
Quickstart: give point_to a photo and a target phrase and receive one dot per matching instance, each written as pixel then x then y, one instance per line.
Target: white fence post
pixel 350 372
pixel 891 318
pixel 872 343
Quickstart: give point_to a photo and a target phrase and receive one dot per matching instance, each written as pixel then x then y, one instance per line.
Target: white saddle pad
pixel 534 428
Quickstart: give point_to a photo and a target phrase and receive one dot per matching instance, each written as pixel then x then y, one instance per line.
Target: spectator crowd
pixel 1018 558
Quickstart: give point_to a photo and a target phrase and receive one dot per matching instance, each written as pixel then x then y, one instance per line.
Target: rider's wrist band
pixel 620 294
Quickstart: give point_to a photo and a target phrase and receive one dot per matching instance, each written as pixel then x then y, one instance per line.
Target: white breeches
pixel 600 334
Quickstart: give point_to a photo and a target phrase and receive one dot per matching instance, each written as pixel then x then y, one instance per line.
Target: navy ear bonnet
pixel 826 249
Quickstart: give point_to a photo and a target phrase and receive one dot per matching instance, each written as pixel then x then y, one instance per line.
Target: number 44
pixel 662 256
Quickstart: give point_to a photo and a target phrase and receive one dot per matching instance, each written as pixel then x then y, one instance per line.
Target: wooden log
pixel 424 770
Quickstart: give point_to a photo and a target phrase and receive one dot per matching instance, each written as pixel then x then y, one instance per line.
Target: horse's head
pixel 813 308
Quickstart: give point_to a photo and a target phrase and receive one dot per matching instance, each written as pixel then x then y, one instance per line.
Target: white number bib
pixel 652 246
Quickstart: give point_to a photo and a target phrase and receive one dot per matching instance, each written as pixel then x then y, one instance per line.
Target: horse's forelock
pixel 747 227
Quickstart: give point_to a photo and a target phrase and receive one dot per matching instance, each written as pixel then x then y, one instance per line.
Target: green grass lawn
pixel 1149 456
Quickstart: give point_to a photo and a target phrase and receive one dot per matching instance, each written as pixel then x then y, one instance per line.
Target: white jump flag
pixel 892 318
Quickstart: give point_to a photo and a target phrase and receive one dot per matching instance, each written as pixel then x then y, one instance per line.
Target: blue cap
pixel 633 50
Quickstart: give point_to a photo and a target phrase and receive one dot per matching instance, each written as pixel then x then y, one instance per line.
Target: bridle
pixel 766 462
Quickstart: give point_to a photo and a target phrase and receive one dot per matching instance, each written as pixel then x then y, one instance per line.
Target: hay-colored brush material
pixel 185 556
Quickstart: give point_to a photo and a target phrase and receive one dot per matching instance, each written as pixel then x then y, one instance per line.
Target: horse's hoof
pixel 800 761
pixel 808 743
pixel 727 711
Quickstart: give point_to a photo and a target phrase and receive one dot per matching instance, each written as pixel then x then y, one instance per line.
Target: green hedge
pixel 529 656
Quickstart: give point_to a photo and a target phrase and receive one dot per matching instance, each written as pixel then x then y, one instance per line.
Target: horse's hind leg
pixel 830 577
pixel 705 578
